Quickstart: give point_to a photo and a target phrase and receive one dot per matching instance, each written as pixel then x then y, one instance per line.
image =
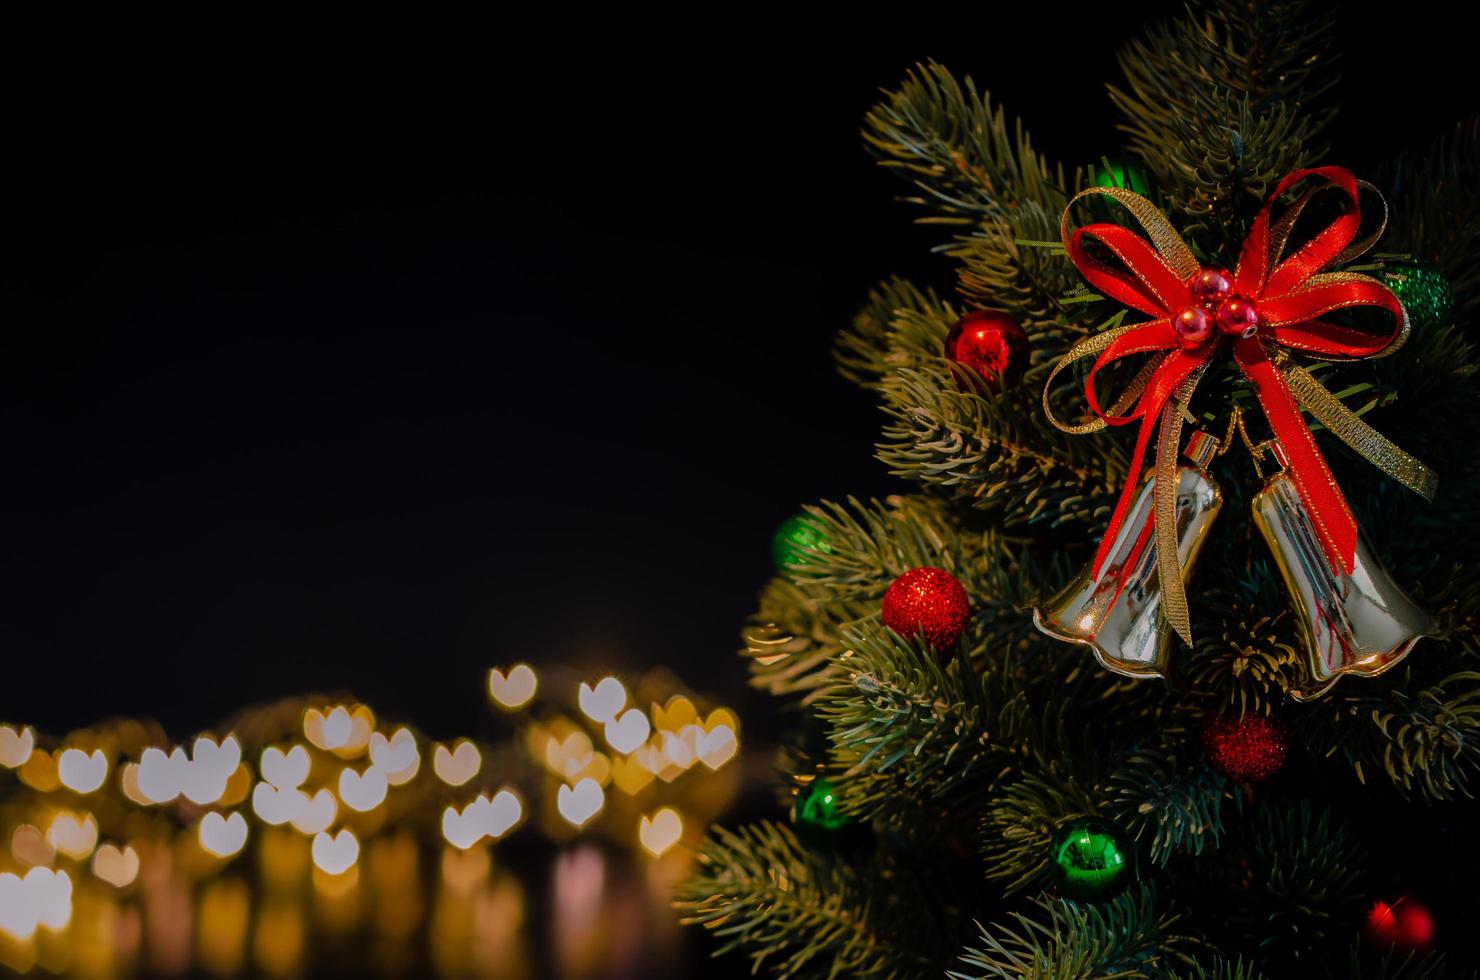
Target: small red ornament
pixel 1249 749
pixel 1194 326
pixel 1238 316
pixel 1405 924
pixel 1211 286
pixel 992 345
pixel 929 601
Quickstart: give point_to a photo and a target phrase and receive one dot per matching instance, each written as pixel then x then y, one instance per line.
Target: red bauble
pixel 1406 924
pixel 992 345
pixel 1211 286
pixel 1239 317
pixel 1248 748
pixel 927 601
pixel 1194 326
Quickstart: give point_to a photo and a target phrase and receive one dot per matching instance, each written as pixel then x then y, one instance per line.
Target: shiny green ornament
pixel 1124 173
pixel 1423 290
pixel 799 536
pixel 816 807
pixel 1091 859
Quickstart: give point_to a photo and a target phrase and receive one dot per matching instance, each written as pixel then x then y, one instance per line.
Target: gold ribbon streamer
pixel 1164 509
pixel 1347 426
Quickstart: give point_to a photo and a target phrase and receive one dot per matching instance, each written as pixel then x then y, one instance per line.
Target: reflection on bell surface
pixel 1361 623
pixel 1118 613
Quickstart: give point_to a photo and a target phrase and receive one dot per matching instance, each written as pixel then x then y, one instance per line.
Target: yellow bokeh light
pixel 80 771
pixel 602 702
pixel 73 835
pixel 319 815
pixel 336 854
pixel 116 866
pixel 285 770
pixel 16 745
pixel 458 765
pixel 515 689
pixel 580 803
pixel 220 836
pixel 660 832
pixel 39 771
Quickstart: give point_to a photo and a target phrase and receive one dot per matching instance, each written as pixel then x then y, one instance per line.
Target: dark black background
pixel 368 359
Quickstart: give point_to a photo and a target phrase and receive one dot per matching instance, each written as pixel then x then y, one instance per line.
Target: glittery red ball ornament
pixel 1248 748
pixel 927 601
pixel 992 345
pixel 1405 924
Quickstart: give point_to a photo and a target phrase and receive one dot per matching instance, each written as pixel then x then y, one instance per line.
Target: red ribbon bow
pixel 1271 302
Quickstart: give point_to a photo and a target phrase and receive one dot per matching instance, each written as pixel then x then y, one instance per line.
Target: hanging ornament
pixel 798 537
pixel 930 602
pixel 1248 748
pixel 1090 859
pixel 1356 622
pixel 1123 173
pixel 1406 924
pixel 816 807
pixel 992 346
pixel 1272 303
pixel 1117 610
pixel 1423 290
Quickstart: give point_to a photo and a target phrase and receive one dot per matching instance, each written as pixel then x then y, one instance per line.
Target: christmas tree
pixel 1118 688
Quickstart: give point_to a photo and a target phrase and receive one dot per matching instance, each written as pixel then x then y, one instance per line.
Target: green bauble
pixel 1423 290
pixel 1091 859
pixel 799 536
pixel 1123 173
pixel 816 807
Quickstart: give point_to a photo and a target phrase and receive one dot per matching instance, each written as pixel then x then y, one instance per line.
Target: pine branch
pixel 978 174
pixel 805 913
pixel 996 454
pixel 1224 969
pixel 1394 965
pixel 957 150
pixel 1435 202
pixel 1178 804
pixel 793 637
pixel 907 731
pixel 1298 881
pixel 1130 936
pixel 1217 105
pixel 863 351
pixel 1423 739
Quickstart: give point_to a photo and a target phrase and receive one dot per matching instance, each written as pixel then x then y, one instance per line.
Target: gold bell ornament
pixel 1357 622
pixel 1117 612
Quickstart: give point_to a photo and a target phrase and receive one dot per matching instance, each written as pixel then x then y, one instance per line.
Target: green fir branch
pixel 1434 199
pixel 805 913
pixel 1219 104
pixel 1130 936
pixel 1177 804
pixel 1422 739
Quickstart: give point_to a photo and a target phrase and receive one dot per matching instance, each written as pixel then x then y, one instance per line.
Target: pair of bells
pixel 1361 623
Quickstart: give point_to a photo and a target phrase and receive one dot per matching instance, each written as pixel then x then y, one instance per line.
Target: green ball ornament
pixel 798 537
pixel 816 807
pixel 1092 859
pixel 1123 173
pixel 1423 290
